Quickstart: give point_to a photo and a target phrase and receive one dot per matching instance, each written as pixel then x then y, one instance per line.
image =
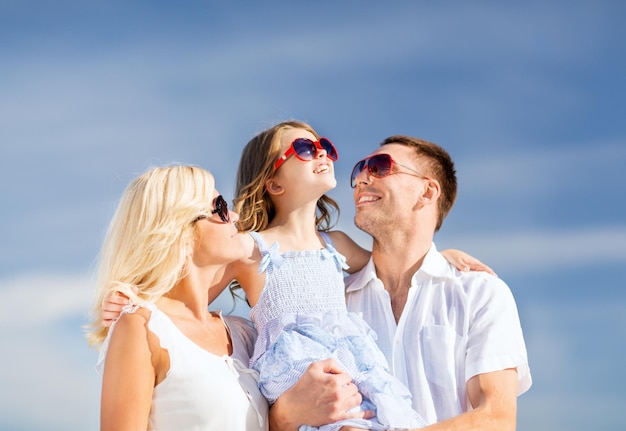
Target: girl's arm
pixel 112 307
pixel 464 262
pixel 245 271
pixel 129 376
pixel 356 256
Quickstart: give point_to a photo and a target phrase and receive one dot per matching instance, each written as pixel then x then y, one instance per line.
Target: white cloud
pixel 47 380
pixel 576 354
pixel 524 172
pixel 544 250
pixel 32 301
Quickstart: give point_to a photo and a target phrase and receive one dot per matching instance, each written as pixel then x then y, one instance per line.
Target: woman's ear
pixel 273 187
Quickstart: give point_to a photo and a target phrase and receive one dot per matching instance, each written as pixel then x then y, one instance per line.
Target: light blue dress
pixel 301 317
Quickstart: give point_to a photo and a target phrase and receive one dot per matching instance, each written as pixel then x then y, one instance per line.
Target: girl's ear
pixel 273 187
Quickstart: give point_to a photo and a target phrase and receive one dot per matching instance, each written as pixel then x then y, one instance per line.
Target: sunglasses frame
pixel 221 209
pixel 331 151
pixel 366 165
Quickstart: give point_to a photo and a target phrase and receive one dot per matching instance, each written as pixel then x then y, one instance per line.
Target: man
pixel 453 338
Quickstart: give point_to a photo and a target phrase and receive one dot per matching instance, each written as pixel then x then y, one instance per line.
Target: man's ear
pixel 431 192
pixel 273 187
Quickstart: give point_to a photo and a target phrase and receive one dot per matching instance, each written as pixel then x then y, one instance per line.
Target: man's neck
pixel 396 260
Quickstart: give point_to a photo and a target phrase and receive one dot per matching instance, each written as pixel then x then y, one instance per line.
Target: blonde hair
pixel 149 237
pixel 256 166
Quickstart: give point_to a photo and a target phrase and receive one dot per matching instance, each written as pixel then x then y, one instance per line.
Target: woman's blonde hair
pixel 256 166
pixel 149 237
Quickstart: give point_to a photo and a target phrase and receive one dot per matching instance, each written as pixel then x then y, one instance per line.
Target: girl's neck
pixel 294 229
pixel 296 217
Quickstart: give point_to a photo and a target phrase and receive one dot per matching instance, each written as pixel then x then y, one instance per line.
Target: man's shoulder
pixel 361 278
pixel 480 285
pixel 239 323
pixel 243 336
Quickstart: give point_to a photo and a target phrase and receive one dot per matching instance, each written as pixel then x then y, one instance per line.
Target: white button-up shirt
pixel 454 326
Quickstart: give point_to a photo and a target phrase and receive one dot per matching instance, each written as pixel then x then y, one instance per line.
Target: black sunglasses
pixel 221 208
pixel 378 166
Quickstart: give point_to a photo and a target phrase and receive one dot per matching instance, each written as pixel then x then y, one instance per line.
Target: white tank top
pixel 203 391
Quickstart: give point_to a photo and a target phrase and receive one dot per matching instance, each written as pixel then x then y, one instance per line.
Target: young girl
pixel 293 279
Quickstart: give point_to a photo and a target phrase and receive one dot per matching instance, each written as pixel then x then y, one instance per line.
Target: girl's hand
pixel 112 308
pixel 464 262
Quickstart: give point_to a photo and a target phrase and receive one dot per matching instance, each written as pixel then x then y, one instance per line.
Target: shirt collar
pixel 361 278
pixel 434 265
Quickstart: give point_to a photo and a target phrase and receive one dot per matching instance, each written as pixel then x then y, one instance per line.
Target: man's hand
pixel 324 394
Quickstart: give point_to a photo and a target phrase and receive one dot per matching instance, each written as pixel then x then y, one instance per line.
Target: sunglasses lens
pixel 330 149
pixel 221 208
pixel 355 172
pixel 379 165
pixel 304 148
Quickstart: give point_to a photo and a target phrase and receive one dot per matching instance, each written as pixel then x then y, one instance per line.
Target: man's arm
pixel 494 399
pixel 323 395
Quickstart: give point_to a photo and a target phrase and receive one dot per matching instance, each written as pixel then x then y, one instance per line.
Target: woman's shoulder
pixel 127 335
pixel 133 318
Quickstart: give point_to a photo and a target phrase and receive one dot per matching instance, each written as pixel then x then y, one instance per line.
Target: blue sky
pixel 528 98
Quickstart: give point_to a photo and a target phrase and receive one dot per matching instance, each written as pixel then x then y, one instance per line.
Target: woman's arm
pixel 129 375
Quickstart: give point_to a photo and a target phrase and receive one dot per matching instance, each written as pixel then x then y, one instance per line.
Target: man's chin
pixel 364 224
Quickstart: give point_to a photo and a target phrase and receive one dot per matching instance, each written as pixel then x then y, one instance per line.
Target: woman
pixel 168 363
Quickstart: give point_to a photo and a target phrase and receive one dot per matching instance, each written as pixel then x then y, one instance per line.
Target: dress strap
pixel 269 255
pixel 330 251
pixel 131 308
pixel 260 242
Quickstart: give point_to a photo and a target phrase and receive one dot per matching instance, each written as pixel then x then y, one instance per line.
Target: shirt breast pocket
pixel 438 350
